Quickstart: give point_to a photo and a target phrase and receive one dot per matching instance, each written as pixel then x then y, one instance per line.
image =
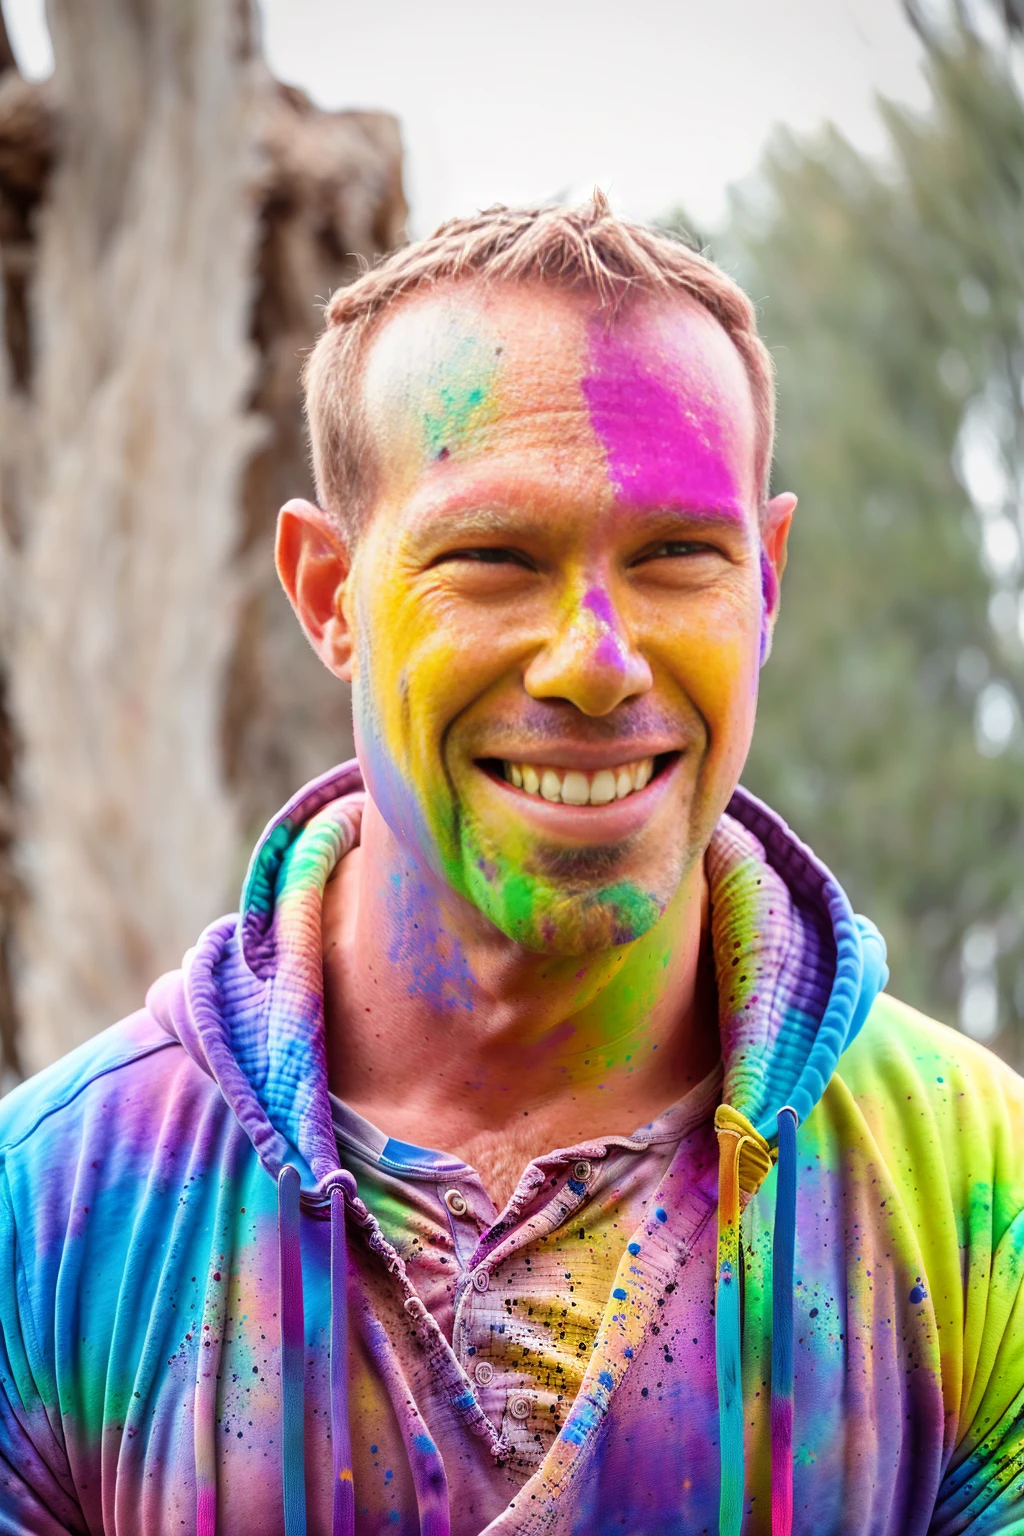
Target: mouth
pixel 573 786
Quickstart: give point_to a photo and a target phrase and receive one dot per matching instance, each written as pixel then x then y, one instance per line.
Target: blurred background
pixel 181 187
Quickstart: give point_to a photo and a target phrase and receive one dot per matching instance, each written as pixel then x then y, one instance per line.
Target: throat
pixel 532 1052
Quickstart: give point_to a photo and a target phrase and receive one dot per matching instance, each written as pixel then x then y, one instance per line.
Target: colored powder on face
pixel 598 603
pixel 460 397
pixel 769 597
pixel 662 442
pixel 609 651
pixel 769 583
pixel 635 911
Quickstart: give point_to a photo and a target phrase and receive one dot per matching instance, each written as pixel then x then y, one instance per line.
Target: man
pixel 534 1152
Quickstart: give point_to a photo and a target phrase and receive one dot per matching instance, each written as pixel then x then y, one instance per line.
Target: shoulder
pixel 109 1105
pixel 900 1048
pixel 113 1058
pixel 932 1096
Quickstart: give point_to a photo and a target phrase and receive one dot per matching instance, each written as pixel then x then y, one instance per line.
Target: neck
pixel 441 1030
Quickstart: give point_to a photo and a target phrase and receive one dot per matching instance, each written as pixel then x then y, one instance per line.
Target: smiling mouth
pixel 571 786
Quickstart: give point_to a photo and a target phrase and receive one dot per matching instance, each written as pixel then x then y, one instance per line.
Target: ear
pixel 775 525
pixel 313 563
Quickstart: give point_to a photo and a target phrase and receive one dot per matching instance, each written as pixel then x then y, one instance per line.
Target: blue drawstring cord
pixel 783 1246
pixel 293 1472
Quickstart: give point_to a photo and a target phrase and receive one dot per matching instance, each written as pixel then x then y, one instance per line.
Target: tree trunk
pixel 169 219
pixel 132 456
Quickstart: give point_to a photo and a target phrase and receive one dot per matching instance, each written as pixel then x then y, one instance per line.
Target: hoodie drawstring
pixel 293 1470
pixel 744 1160
pixel 344 1516
pixel 783 1244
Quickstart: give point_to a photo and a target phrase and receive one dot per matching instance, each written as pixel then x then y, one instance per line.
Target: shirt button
pixel 582 1170
pixel 455 1202
pixel 519 1407
pixel 484 1372
pixel 481 1279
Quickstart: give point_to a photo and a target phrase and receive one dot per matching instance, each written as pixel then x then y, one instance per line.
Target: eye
pixel 486 555
pixel 676 549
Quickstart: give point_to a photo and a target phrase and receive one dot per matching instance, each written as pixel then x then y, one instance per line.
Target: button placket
pixel 473 1314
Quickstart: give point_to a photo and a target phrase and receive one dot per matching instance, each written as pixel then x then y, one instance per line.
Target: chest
pixel 620 1391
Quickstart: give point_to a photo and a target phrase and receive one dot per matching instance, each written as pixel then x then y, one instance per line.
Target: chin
pixel 556 918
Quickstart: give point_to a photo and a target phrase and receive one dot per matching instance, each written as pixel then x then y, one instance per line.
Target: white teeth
pixel 641 772
pixel 550 785
pixel 575 789
pixel 569 786
pixel 602 787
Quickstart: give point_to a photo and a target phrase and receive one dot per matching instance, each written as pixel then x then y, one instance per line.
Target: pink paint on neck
pixel 660 434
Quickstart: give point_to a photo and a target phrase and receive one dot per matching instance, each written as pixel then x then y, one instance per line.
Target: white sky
pixel 658 101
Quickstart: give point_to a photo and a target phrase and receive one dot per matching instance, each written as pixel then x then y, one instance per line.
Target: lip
pixel 587 825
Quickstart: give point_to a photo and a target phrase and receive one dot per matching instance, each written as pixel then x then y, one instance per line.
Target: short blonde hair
pixel 587 248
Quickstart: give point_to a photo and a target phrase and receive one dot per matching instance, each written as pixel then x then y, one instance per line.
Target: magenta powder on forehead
pixel 661 440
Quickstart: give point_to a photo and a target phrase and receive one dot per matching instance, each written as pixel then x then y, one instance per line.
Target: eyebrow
pixel 492 513
pixel 531 503
pixel 730 514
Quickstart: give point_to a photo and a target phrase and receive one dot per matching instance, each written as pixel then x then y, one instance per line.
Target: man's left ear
pixel 313 564
pixel 775 523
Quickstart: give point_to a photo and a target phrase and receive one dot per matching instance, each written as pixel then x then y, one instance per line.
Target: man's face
pixel 557 604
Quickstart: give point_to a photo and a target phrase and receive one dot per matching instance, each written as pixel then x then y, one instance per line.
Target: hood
pixel 797 973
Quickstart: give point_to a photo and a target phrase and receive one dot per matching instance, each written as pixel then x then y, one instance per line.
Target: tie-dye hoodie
pixel 817 1328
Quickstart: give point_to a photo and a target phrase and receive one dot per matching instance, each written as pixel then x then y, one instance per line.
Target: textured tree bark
pixel 168 217
pixel 132 454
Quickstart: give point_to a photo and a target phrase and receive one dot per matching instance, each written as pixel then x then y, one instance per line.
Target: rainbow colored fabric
pixel 205 1328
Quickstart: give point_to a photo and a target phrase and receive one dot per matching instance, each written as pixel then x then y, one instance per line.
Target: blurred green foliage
pixel 889 735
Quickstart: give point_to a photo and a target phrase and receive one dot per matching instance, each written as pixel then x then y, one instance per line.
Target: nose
pixel 591 660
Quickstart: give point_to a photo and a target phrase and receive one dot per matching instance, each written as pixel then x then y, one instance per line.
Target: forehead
pixel 655 392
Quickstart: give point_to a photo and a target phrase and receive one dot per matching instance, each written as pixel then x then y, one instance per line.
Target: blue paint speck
pixel 634 1248
pixel 576 1187
pixel 583 1420
pixel 918 1294
pixel 619 1293
pixel 425 1444
pixel 605 1379
pixel 628 1354
pixel 661 1214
